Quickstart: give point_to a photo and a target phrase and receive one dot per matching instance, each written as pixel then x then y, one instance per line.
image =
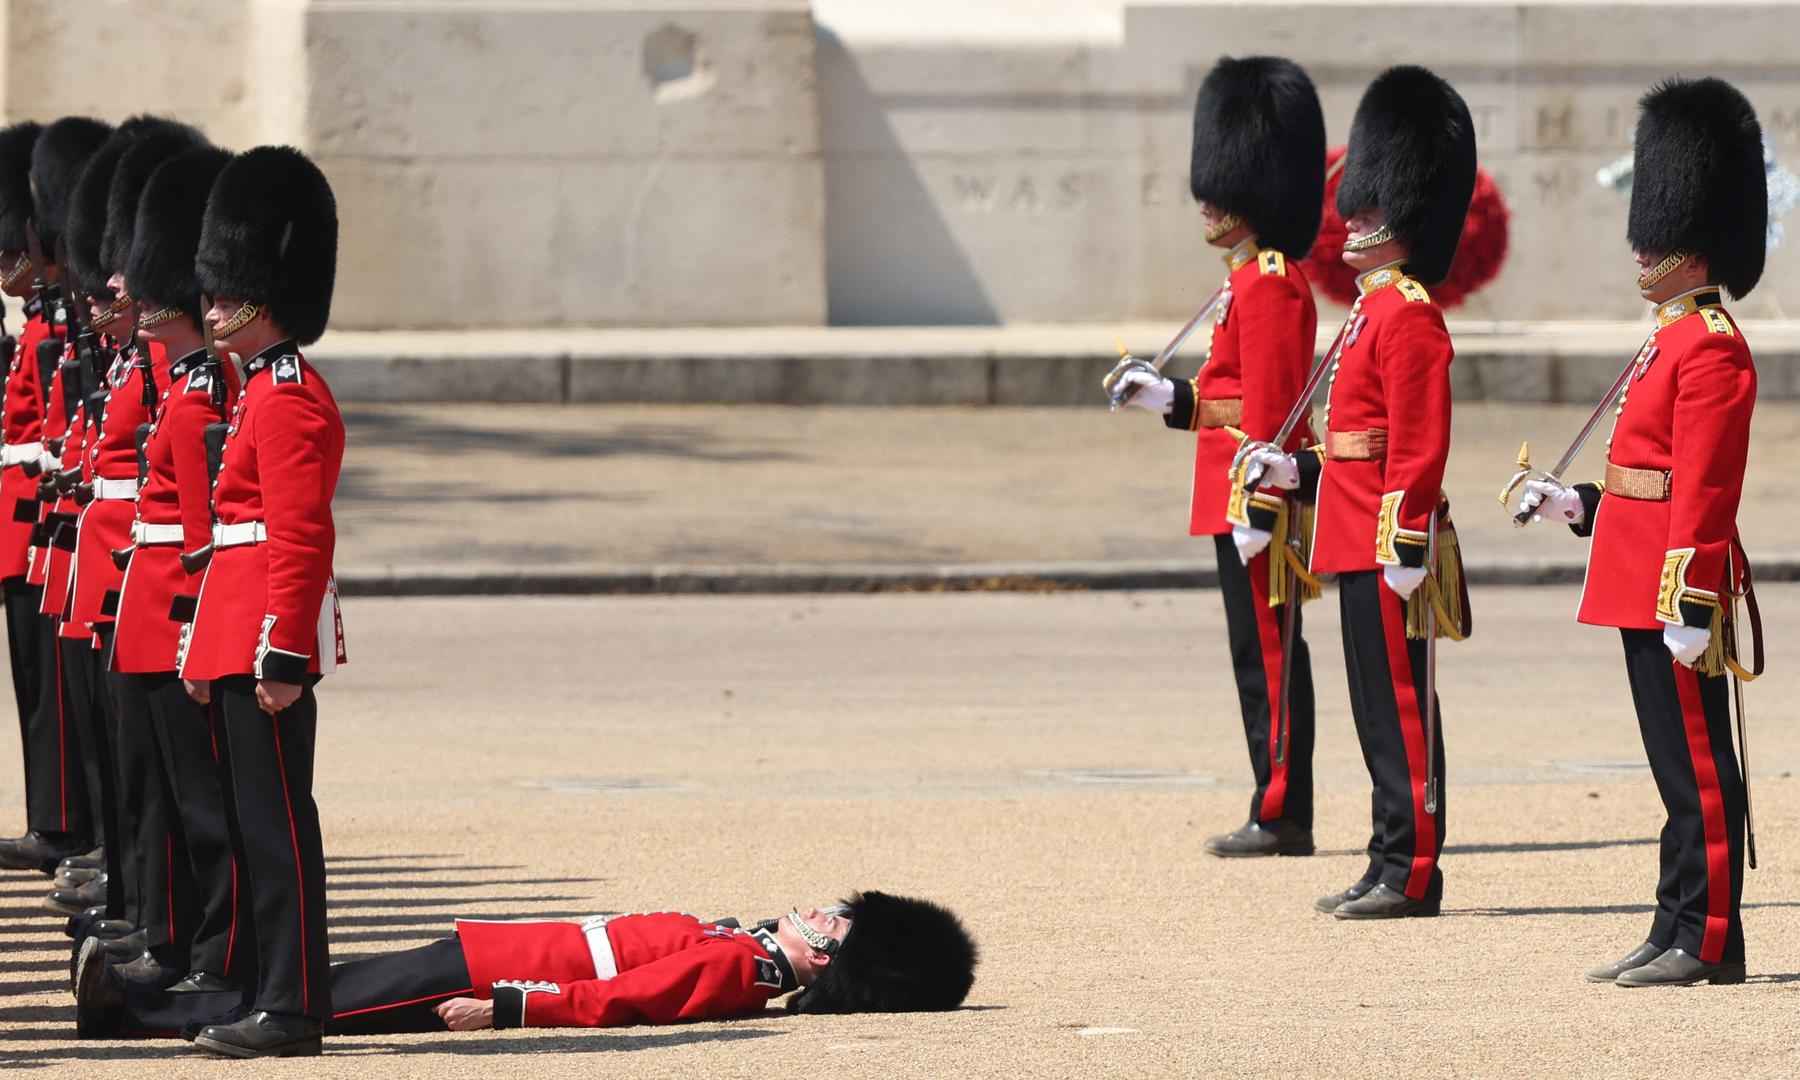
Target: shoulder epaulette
pixel 1413 291
pixel 287 371
pixel 1272 262
pixel 1717 322
pixel 199 381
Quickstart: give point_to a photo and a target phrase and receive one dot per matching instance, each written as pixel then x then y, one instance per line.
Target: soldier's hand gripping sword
pixel 1522 516
pixel 1117 393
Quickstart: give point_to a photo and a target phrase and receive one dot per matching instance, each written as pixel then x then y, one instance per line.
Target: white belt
pixel 606 965
pixel 239 534
pixel 20 453
pixel 146 535
pixel 115 489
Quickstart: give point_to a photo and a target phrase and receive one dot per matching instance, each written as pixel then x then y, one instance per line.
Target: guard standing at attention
pixel 1382 522
pixel 266 626
pixel 1258 174
pixel 1666 566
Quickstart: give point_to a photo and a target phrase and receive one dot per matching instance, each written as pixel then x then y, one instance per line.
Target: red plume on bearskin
pixel 1479 256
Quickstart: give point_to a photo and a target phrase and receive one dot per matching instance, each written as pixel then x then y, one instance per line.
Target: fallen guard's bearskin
pixel 57 160
pixel 270 238
pixel 153 146
pixel 160 268
pixel 16 142
pixel 1412 154
pixel 1698 180
pixel 1259 149
pixel 901 955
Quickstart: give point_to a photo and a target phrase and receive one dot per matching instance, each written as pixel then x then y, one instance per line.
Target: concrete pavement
pixel 1047 765
pixel 493 498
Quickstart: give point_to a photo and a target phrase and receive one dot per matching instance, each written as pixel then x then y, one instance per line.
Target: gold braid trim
pixel 1291 551
pixel 1721 655
pixel 1442 589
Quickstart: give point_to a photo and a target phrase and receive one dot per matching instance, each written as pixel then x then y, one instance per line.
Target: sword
pixel 1743 734
pixel 1301 407
pixel 1645 353
pixel 1431 712
pixel 1111 381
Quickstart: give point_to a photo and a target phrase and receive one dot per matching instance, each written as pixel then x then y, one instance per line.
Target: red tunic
pixel 112 455
pixel 1392 376
pixel 21 425
pixel 629 969
pixel 158 595
pixel 268 609
pixel 60 570
pixel 1262 350
pixel 56 426
pixel 1686 411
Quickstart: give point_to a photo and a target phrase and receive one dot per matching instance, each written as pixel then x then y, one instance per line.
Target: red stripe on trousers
pixel 1412 732
pixel 1268 631
pixel 169 880
pixel 212 731
pixel 403 1004
pixel 62 739
pixel 1712 815
pixel 299 875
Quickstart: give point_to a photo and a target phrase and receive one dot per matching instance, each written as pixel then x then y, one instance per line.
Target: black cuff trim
pixel 1311 465
pixel 25 511
pixel 1697 615
pixel 109 604
pixel 509 1007
pixel 1409 551
pixel 1181 411
pixel 64 540
pixel 278 666
pixel 1590 502
pixel 181 608
pixel 1263 517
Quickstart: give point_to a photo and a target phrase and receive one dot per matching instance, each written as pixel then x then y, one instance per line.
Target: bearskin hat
pixel 1259 149
pixel 901 955
pixel 1698 182
pixel 160 268
pixel 270 237
pixel 16 142
pixel 155 144
pixel 1412 154
pixel 90 234
pixel 57 161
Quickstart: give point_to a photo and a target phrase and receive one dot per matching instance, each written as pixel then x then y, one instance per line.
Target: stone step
pixel 1547 362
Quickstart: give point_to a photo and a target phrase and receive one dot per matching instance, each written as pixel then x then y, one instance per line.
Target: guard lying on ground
pixel 873 953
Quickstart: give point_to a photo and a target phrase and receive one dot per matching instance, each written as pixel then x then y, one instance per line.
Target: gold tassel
pixel 1442 589
pixel 1290 552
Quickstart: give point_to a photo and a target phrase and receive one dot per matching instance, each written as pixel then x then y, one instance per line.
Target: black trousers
pixel 1387 698
pixel 389 994
pixel 154 850
pixel 22 630
pixel 56 787
pixel 1284 788
pixel 195 762
pixel 1685 719
pixel 284 858
pixel 90 704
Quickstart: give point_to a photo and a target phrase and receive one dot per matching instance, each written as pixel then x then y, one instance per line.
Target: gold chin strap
pixel 1650 277
pixel 112 312
pixel 1222 227
pixel 18 272
pixel 1369 240
pixel 246 314
pixel 160 316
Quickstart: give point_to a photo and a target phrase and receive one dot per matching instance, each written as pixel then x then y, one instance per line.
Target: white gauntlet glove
pixel 1686 643
pixel 1403 579
pixel 1547 498
pixel 1250 542
pixel 1279 469
pixel 1144 389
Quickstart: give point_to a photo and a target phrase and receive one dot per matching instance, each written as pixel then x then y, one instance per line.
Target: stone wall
pixel 676 162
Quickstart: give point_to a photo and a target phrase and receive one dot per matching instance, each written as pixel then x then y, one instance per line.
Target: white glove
pixel 1686 643
pixel 1279 469
pixel 1547 497
pixel 1250 542
pixel 1403 579
pixel 1145 389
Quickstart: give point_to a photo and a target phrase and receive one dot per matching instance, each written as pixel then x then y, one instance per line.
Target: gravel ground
pixel 1047 765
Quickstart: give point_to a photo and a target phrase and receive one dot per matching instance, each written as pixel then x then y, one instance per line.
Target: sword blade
pixel 1593 421
pixel 1431 717
pixel 1175 343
